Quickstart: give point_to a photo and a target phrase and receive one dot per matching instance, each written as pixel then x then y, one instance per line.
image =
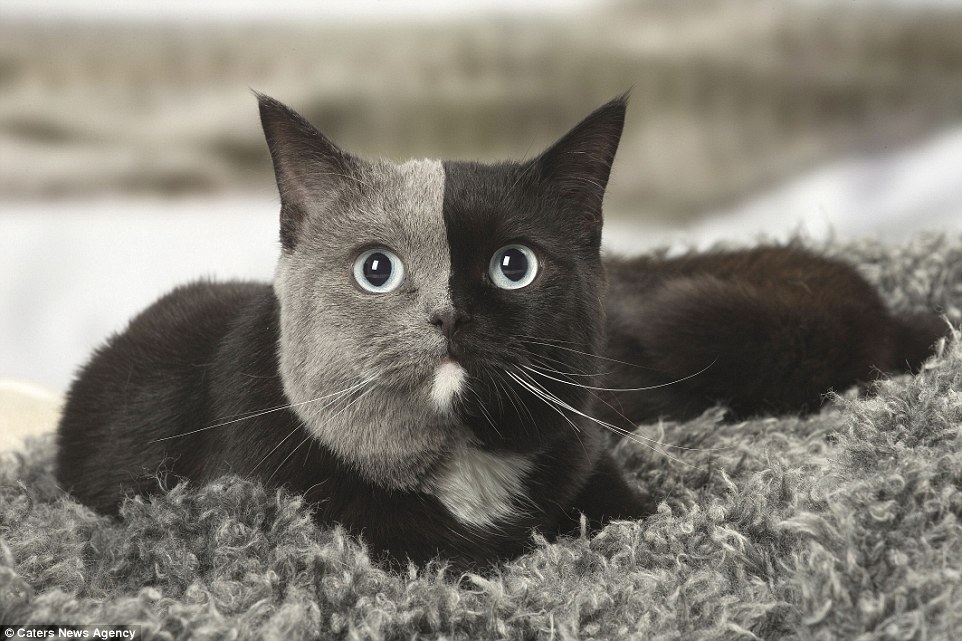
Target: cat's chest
pixel 481 488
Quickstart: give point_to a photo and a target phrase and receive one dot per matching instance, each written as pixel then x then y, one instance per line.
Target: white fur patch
pixel 448 381
pixel 479 487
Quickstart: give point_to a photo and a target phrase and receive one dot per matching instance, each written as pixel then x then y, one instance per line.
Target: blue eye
pixel 378 271
pixel 513 267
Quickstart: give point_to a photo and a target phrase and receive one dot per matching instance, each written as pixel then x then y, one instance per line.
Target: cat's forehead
pixel 396 204
pixel 435 213
pixel 422 203
pixel 403 197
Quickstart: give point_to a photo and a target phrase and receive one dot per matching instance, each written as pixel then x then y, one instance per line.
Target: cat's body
pixel 432 365
pixel 118 410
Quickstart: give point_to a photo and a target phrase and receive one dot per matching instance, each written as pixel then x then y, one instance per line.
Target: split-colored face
pixel 413 294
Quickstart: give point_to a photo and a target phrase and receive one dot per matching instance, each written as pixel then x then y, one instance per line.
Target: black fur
pixel 760 331
pixel 192 387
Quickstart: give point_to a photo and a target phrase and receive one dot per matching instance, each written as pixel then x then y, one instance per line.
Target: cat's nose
pixel 448 320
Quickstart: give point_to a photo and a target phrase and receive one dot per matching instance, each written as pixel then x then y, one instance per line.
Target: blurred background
pixel 131 157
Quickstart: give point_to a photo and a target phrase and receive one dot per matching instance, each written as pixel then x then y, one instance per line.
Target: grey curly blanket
pixel 843 525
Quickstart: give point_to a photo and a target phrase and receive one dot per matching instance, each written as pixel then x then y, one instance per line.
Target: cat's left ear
pixel 576 168
pixel 309 168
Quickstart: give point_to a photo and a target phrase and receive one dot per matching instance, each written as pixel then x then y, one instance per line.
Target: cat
pixel 443 357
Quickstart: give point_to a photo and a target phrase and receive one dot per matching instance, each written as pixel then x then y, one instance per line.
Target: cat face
pixel 413 295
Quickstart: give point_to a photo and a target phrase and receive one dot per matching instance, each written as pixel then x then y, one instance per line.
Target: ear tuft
pixel 308 167
pixel 577 167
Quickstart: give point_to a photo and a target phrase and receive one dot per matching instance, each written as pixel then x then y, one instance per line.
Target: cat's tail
pixel 914 338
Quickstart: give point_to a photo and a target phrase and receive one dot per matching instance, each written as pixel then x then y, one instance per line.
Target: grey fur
pixel 335 336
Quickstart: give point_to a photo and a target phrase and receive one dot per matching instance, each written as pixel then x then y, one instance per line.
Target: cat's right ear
pixel 309 168
pixel 575 169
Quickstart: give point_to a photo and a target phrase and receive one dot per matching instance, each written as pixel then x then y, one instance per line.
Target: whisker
pixel 547 396
pixel 257 413
pixel 307 455
pixel 553 401
pixel 560 413
pixel 576 351
pixel 512 396
pixel 625 432
pixel 309 435
pixel 266 456
pixel 540 357
pixel 497 395
pixel 553 340
pixel 574 426
pixel 598 397
pixel 274 449
pixel 485 413
pixel 622 389
pixel 618 412
pixel 640 440
pixel 292 452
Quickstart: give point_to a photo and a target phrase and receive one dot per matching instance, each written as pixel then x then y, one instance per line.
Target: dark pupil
pixel 377 269
pixel 514 264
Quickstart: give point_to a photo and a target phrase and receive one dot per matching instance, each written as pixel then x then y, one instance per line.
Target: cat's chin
pixel 393 429
pixel 392 447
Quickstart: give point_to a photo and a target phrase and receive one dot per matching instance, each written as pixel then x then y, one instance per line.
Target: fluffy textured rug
pixel 844 525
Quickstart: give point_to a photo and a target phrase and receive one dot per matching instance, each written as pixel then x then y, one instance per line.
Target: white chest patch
pixel 448 381
pixel 479 487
